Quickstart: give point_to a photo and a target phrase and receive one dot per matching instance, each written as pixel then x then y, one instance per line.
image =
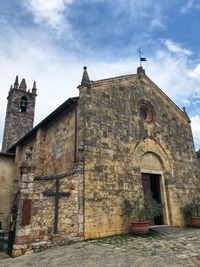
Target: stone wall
pixel 36 214
pixel 59 144
pixel 53 146
pixel 112 141
pixel 52 153
pixel 7 175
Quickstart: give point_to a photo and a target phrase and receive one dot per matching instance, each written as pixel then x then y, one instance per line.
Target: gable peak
pixel 140 70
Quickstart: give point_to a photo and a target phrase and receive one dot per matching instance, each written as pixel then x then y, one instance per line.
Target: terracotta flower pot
pixel 195 221
pixel 140 227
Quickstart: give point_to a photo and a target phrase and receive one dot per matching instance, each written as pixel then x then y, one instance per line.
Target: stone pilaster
pixel 23 226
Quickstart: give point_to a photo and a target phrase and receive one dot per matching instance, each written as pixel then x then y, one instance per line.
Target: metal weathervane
pixel 141 58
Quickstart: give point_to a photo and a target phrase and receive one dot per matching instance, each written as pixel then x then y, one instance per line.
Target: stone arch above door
pixel 147 148
pixel 151 161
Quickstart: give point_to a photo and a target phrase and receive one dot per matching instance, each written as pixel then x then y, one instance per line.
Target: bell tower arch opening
pixel 23 104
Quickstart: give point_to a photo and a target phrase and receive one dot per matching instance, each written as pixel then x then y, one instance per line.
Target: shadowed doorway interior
pixel 151 184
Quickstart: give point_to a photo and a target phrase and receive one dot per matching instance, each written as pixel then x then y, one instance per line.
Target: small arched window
pixel 23 104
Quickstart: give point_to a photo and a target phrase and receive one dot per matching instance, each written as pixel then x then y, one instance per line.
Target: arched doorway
pixel 152 177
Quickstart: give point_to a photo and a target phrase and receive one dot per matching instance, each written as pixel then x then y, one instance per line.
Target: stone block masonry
pixel 122 133
pixel 114 139
pixel 35 228
pixel 19 114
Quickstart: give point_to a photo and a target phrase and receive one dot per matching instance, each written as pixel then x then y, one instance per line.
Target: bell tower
pixel 19 114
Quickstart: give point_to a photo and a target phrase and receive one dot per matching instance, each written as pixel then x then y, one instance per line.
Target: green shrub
pixel 143 207
pixel 193 207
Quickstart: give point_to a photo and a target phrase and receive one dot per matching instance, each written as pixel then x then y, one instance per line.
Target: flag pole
pixel 140 56
pixel 140 52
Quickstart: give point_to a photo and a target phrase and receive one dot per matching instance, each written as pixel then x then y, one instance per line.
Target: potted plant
pixel 143 209
pixel 192 210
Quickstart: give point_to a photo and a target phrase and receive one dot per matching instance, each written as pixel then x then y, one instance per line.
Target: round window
pixel 143 113
pixel 146 111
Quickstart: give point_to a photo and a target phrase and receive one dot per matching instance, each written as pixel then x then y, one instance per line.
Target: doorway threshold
pixel 166 229
pixel 157 226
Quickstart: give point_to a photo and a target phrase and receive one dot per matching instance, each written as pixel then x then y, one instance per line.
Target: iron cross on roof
pixel 57 194
pixel 141 58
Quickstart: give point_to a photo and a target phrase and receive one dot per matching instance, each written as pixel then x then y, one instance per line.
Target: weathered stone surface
pixel 179 250
pixel 36 232
pixel 107 134
pixel 53 148
pixel 18 122
pixel 117 145
pixel 17 253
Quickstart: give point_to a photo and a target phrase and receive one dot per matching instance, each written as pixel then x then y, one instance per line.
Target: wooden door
pixel 146 184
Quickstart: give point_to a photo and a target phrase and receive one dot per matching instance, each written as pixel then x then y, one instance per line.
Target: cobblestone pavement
pixel 155 250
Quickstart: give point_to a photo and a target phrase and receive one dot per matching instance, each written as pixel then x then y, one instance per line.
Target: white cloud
pixel 48 11
pixel 142 10
pixel 45 65
pixel 58 75
pixel 176 48
pixel 186 102
pixel 171 75
pixel 55 12
pixel 57 78
pixel 195 123
pixel 195 73
pixel 190 4
pixel 157 23
pixel 187 6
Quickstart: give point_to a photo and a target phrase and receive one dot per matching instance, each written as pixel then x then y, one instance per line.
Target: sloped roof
pixel 7 155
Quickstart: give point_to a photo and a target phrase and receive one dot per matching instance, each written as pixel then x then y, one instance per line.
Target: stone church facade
pixel 67 178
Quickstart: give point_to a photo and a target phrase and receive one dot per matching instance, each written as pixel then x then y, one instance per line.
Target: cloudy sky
pixel 50 41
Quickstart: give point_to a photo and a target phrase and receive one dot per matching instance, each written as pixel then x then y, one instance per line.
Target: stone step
pixel 166 229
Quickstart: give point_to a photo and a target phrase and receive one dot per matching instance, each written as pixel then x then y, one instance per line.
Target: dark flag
pixel 143 59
